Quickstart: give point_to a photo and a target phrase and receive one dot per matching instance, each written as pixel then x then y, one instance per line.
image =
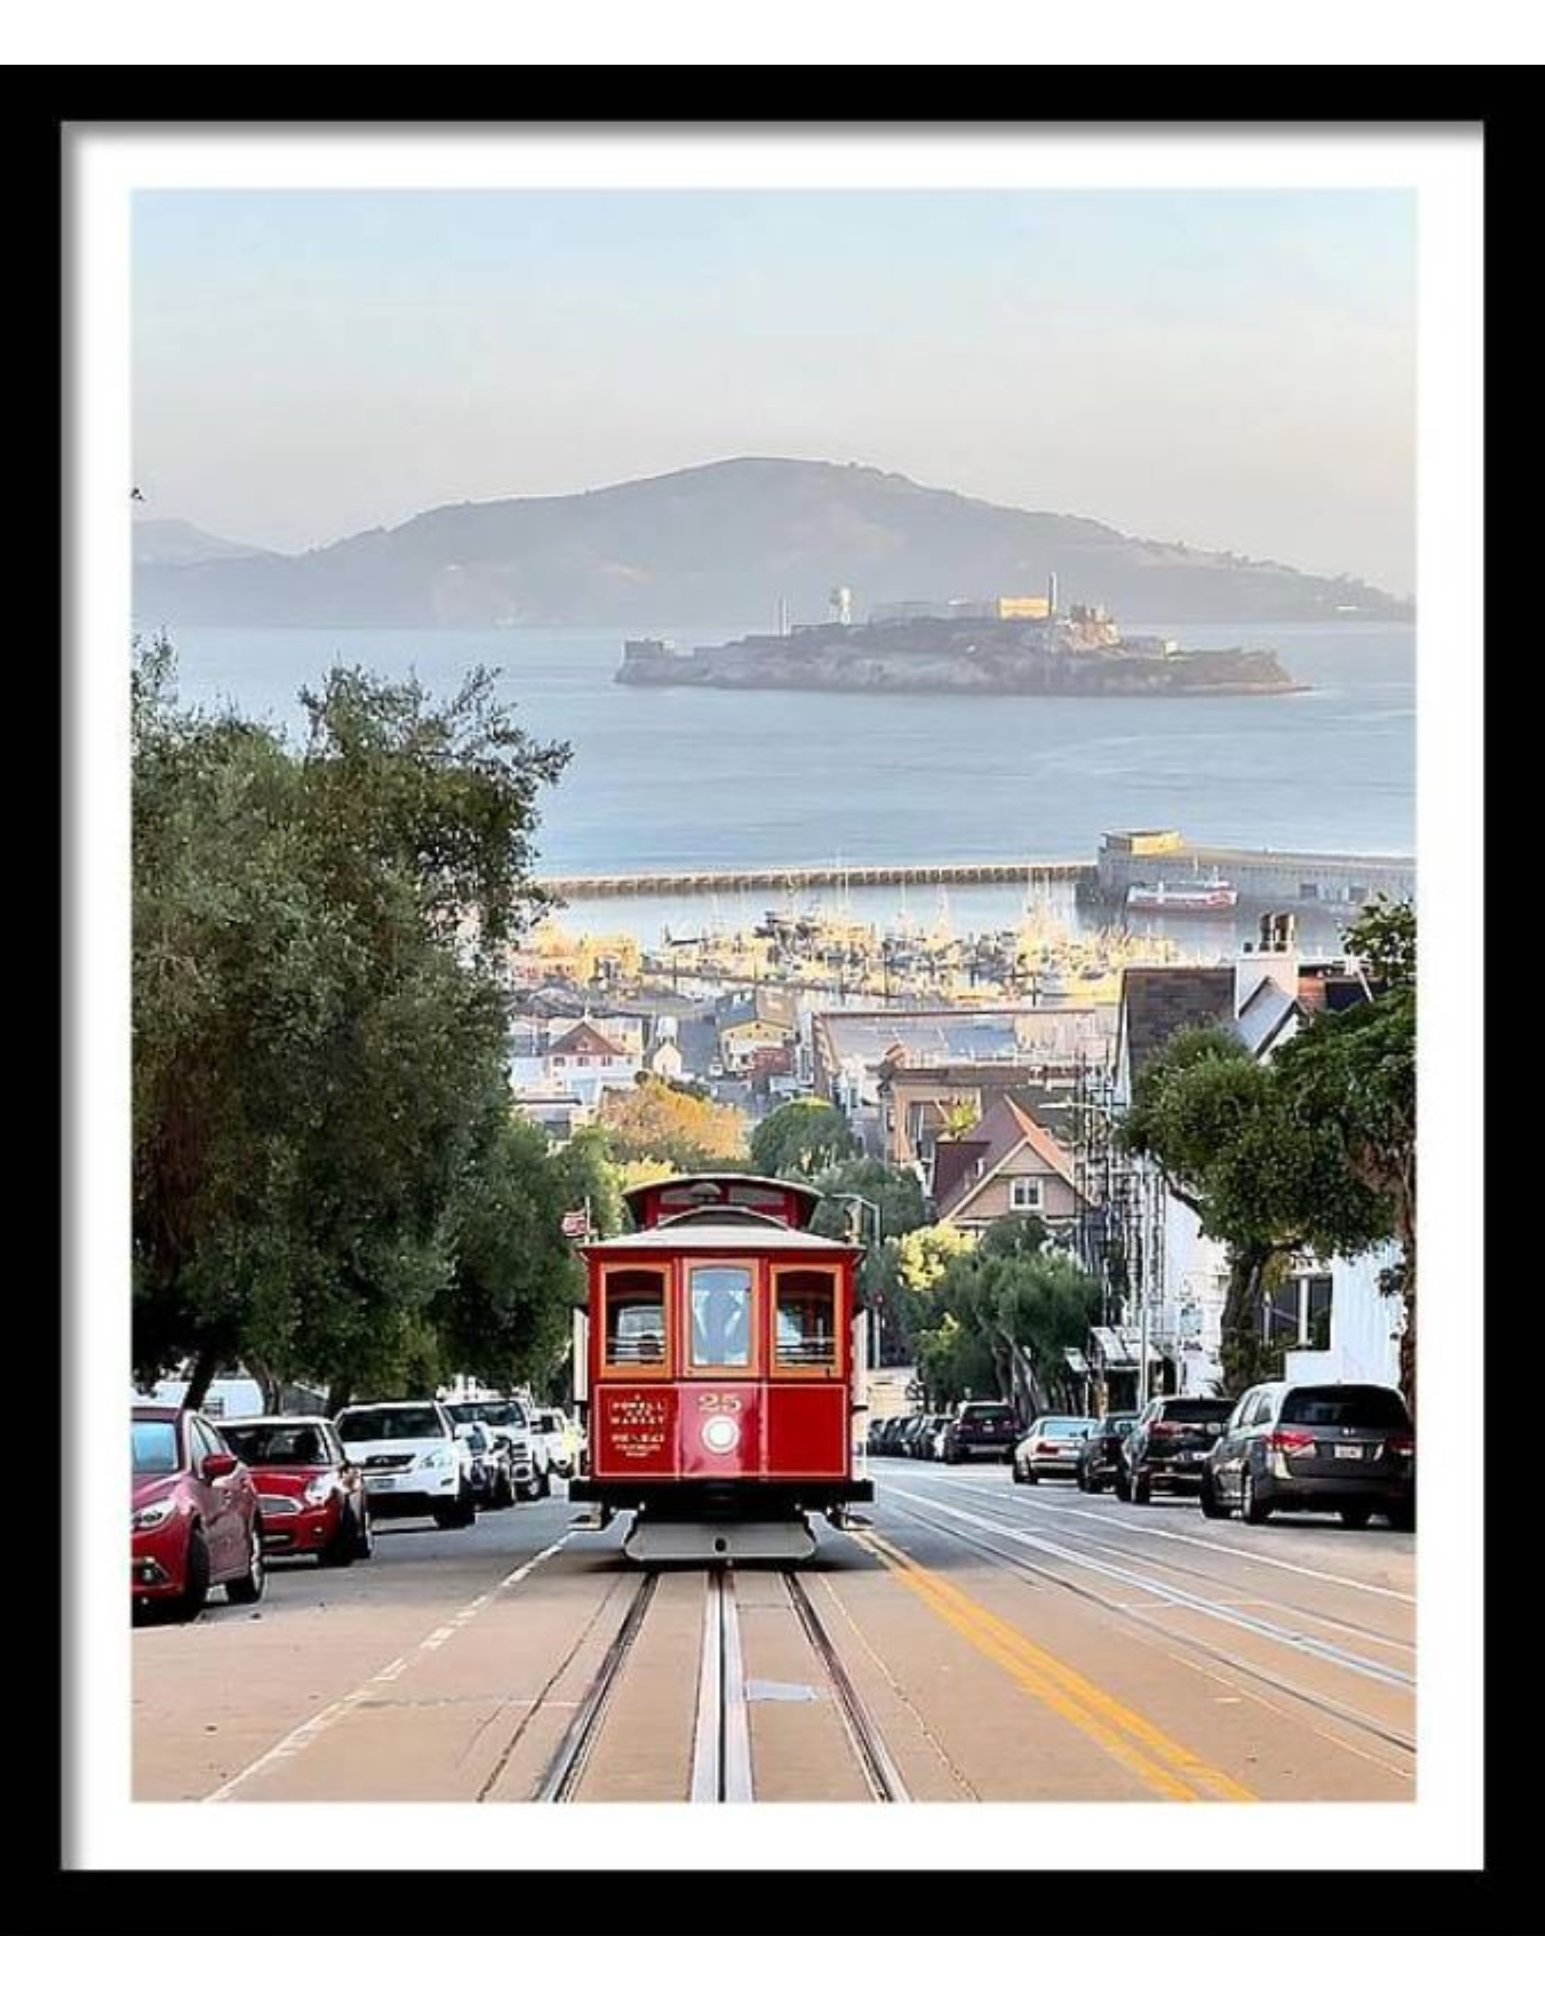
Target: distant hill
pixel 720 545
pixel 179 543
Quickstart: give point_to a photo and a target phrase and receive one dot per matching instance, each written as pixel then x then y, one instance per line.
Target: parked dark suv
pixel 981 1430
pixel 1167 1447
pixel 1342 1447
pixel 1101 1452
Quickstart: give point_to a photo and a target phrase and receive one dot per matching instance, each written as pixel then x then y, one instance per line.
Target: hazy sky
pixel 1234 370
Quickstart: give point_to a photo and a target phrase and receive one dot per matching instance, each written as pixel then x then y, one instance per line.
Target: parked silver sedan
pixel 1051 1445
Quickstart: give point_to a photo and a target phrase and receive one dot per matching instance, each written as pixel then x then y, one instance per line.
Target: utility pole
pixel 871 1318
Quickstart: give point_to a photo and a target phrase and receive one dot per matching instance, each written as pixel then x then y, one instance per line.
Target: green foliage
pixel 801 1139
pixel 991 1317
pixel 1384 938
pixel 1013 1236
pixel 318 1058
pixel 1351 1078
pixel 1016 1306
pixel 895 1193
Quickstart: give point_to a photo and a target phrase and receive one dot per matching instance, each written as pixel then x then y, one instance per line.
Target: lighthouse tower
pixel 841 604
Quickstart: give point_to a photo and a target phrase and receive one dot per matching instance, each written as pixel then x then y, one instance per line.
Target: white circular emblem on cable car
pixel 721 1434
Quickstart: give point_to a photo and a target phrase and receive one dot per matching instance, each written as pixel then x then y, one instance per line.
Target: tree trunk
pixel 1246 1357
pixel 203 1374
pixel 1408 1301
pixel 271 1386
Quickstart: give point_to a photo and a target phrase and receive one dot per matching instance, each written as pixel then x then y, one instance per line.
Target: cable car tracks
pixel 721 1762
pixel 721 1744
pixel 880 1773
pixel 568 1764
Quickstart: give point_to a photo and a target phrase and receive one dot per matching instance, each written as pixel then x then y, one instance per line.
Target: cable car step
pixel 719 1541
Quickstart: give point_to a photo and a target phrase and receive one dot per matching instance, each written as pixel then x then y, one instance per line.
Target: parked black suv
pixel 1168 1445
pixel 980 1430
pixel 1341 1447
pixel 1101 1452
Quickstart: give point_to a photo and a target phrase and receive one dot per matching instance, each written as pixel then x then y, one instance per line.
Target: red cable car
pixel 720 1369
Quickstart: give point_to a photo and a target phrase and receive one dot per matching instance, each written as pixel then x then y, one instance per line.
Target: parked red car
pixel 193 1519
pixel 311 1498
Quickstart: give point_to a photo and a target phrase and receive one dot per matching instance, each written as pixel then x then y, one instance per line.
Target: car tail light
pixel 1290 1441
pixel 1403 1447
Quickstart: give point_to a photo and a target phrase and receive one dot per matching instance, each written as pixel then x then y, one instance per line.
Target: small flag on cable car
pixel 576 1221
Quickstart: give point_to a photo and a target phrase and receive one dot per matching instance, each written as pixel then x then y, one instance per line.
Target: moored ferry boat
pixel 1184 898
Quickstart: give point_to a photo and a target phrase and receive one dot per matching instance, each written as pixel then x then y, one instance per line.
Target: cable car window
pixel 806 1320
pixel 721 1316
pixel 635 1319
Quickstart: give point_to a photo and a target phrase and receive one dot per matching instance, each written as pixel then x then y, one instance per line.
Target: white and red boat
pixel 1184 899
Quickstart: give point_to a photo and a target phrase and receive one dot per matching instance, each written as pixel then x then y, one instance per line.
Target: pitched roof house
pixel 1005 1166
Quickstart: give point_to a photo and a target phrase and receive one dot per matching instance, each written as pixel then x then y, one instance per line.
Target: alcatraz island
pixel 996 645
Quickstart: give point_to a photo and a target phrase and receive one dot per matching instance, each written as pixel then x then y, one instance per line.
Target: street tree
pixel 1351 1077
pixel 1234 1147
pixel 895 1198
pixel 801 1139
pixel 655 1121
pixel 315 1037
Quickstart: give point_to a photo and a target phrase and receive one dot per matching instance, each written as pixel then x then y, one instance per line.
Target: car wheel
pixel 544 1485
pixel 1356 1516
pixel 1212 1506
pixel 506 1493
pixel 364 1535
pixel 1252 1507
pixel 1016 1472
pixel 1032 1477
pixel 1403 1516
pixel 1123 1486
pixel 250 1585
pixel 1142 1490
pixel 191 1599
pixel 1081 1480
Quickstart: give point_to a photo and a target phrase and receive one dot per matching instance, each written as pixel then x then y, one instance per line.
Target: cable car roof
pixel 721 1189
pixel 753 1234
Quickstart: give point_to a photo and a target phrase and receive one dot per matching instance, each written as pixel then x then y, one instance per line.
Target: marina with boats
pixel 1043 958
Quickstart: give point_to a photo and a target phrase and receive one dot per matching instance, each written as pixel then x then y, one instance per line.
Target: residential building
pixel 920 1103
pixel 850 1047
pixel 1006 1166
pixel 559 1113
pixel 584 1054
pixel 765 1019
pixel 1330 1318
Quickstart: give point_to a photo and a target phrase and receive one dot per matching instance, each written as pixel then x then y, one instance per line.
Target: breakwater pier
pixel 1279 878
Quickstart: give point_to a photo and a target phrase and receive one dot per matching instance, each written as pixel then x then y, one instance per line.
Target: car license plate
pixel 377 1481
pixel 1349 1451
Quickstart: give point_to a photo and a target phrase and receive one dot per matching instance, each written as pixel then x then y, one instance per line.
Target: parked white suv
pixel 562 1441
pixel 412 1460
pixel 510 1417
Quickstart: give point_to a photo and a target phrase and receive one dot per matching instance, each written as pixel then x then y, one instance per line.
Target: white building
pixel 1330 1316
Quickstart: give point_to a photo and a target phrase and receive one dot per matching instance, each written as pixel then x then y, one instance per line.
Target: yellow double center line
pixel 1169 1767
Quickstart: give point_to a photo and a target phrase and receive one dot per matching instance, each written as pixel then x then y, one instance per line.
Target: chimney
pixel 1275 957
